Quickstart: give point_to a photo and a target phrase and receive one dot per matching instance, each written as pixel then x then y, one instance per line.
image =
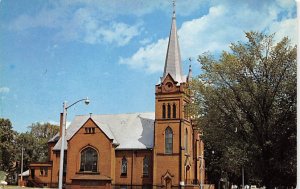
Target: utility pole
pixel 243 184
pixel 201 165
pixel 22 166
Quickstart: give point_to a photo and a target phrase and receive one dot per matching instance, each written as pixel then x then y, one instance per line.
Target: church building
pixel 161 149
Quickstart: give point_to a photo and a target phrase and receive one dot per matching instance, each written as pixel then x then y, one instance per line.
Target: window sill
pixel 167 154
pixel 123 175
pixel 88 173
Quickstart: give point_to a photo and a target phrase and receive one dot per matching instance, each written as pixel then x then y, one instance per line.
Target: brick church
pixel 161 149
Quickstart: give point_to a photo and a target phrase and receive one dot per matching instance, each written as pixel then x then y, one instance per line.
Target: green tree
pixel 35 143
pixel 7 147
pixel 30 146
pixel 245 103
pixel 43 132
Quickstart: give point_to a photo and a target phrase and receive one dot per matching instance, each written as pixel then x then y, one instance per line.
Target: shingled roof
pixel 128 131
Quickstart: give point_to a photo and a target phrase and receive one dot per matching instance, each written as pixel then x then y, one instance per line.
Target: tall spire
pixel 173 58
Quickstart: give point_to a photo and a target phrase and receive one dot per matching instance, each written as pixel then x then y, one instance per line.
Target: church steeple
pixel 173 58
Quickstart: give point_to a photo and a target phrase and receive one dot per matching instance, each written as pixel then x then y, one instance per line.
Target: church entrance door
pixel 168 183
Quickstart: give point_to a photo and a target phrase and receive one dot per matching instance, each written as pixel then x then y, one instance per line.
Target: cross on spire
pixel 174 10
pixel 189 77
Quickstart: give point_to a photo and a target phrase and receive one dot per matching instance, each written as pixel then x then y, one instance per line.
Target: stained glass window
pixel 168 141
pixel 89 160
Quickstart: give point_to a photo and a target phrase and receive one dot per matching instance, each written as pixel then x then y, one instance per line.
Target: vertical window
pixel 186 141
pixel 32 173
pixel 89 160
pixel 44 171
pixel 169 111
pixel 65 164
pixel 163 111
pixel 186 111
pixel 124 166
pixel 168 141
pixel 41 171
pixel 174 110
pixel 146 166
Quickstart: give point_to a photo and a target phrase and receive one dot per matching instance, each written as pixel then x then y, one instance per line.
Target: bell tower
pixel 173 133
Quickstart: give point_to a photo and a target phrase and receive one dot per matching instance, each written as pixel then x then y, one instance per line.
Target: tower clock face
pixel 169 86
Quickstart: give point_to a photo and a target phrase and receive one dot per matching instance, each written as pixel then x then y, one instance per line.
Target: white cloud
pixel 52 122
pixel 285 28
pixel 149 58
pixel 214 32
pixel 4 90
pixel 79 21
pixel 145 41
pixel 117 33
pixel 68 123
pixel 285 3
pixel 86 28
pixel 84 21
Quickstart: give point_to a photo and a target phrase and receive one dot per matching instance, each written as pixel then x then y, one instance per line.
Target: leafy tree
pixel 42 134
pixel 7 147
pixel 245 103
pixel 35 143
pixel 30 147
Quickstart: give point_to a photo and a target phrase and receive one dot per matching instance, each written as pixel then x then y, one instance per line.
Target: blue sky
pixel 113 51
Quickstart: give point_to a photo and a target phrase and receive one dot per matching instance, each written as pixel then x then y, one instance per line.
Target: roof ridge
pixel 115 114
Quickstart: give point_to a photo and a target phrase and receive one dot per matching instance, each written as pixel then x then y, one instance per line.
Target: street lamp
pixel 62 147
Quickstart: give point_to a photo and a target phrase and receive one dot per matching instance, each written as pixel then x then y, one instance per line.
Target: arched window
pixel 174 110
pixel 89 160
pixel 186 111
pixel 168 141
pixel 169 111
pixel 163 111
pixel 146 166
pixel 186 141
pixel 124 166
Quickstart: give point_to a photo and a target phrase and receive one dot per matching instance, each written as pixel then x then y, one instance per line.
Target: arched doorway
pixel 166 180
pixel 168 183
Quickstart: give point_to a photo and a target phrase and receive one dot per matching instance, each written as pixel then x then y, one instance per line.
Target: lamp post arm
pixel 76 102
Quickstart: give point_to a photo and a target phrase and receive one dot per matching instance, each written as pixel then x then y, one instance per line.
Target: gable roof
pixel 55 138
pixel 128 131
